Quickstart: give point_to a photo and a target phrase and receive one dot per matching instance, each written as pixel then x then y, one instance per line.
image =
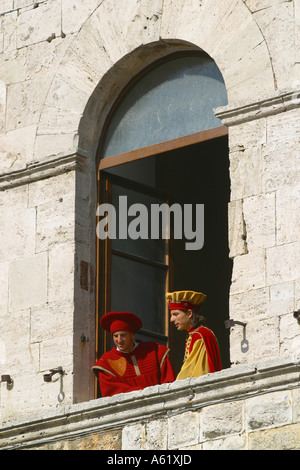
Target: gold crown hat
pixel 184 299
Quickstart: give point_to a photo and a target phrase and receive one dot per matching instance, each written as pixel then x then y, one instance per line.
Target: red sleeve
pixel 166 370
pixel 212 348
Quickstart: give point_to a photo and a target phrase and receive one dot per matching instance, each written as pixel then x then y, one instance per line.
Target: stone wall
pixel 61 67
pixel 243 408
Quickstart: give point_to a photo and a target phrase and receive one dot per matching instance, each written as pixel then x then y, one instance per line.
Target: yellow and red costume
pixel 145 365
pixel 202 355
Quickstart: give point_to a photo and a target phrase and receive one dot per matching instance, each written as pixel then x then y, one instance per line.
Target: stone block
pixel 234 442
pixel 44 57
pixel 284 127
pixel 245 173
pixel 28 282
pixel 15 67
pixel 246 39
pixel 270 410
pixel 17 232
pixel 9 31
pixel 157 435
pixel 39 24
pixel 237 232
pixel 57 352
pixel 47 322
pixel 51 190
pixel 257 5
pixel 24 3
pixel 281 298
pixel 263 339
pixel 84 64
pixel 280 165
pixel 74 15
pixel 297 22
pixel 6 5
pixel 24 404
pixel 253 72
pixel 1 42
pixel 110 440
pixel 297 294
pixel 54 120
pixel 289 334
pixel 14 198
pixel 2 106
pixel 61 272
pixel 179 435
pixel 49 145
pixel 64 96
pixel 296 405
pixel 16 148
pixel 283 263
pixel 259 217
pixel 252 304
pixel 133 437
pixel 151 13
pixel 54 223
pixel 221 420
pixel 287 214
pixel 24 102
pixel 278 25
pixel 129 25
pixel 281 438
pixel 2 352
pixel 4 288
pixel 109 31
pixel 25 357
pixel 248 272
pixel 247 135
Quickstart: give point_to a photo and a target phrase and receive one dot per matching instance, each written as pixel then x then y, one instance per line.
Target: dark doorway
pixel 199 174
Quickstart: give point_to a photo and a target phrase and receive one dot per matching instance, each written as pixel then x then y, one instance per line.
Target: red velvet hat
pixel 115 321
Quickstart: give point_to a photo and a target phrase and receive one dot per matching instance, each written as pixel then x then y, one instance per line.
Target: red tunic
pixel 148 364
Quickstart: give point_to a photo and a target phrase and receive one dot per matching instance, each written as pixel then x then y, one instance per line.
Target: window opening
pixel 175 163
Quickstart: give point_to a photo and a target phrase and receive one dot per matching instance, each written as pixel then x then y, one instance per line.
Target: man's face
pixel 123 340
pixel 181 319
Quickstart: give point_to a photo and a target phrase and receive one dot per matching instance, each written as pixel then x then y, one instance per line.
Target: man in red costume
pixel 130 365
pixel 202 354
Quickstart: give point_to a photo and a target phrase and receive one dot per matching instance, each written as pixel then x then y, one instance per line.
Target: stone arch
pixel 114 44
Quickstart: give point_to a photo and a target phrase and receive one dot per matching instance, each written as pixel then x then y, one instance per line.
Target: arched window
pixel 164 147
pixel 174 99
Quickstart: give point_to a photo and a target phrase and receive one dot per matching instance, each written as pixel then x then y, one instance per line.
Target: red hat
pixel 115 321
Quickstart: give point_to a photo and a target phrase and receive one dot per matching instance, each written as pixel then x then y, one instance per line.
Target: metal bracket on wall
pixel 244 343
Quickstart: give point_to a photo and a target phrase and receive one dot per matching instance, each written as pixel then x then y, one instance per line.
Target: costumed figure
pixel 130 365
pixel 202 354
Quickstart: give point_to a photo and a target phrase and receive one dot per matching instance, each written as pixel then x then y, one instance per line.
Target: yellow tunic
pixel 195 363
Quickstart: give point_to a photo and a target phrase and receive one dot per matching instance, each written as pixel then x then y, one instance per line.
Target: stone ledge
pixel 40 170
pixel 161 401
pixel 232 115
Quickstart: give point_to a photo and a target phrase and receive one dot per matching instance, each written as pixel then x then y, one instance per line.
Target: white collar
pixel 127 352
